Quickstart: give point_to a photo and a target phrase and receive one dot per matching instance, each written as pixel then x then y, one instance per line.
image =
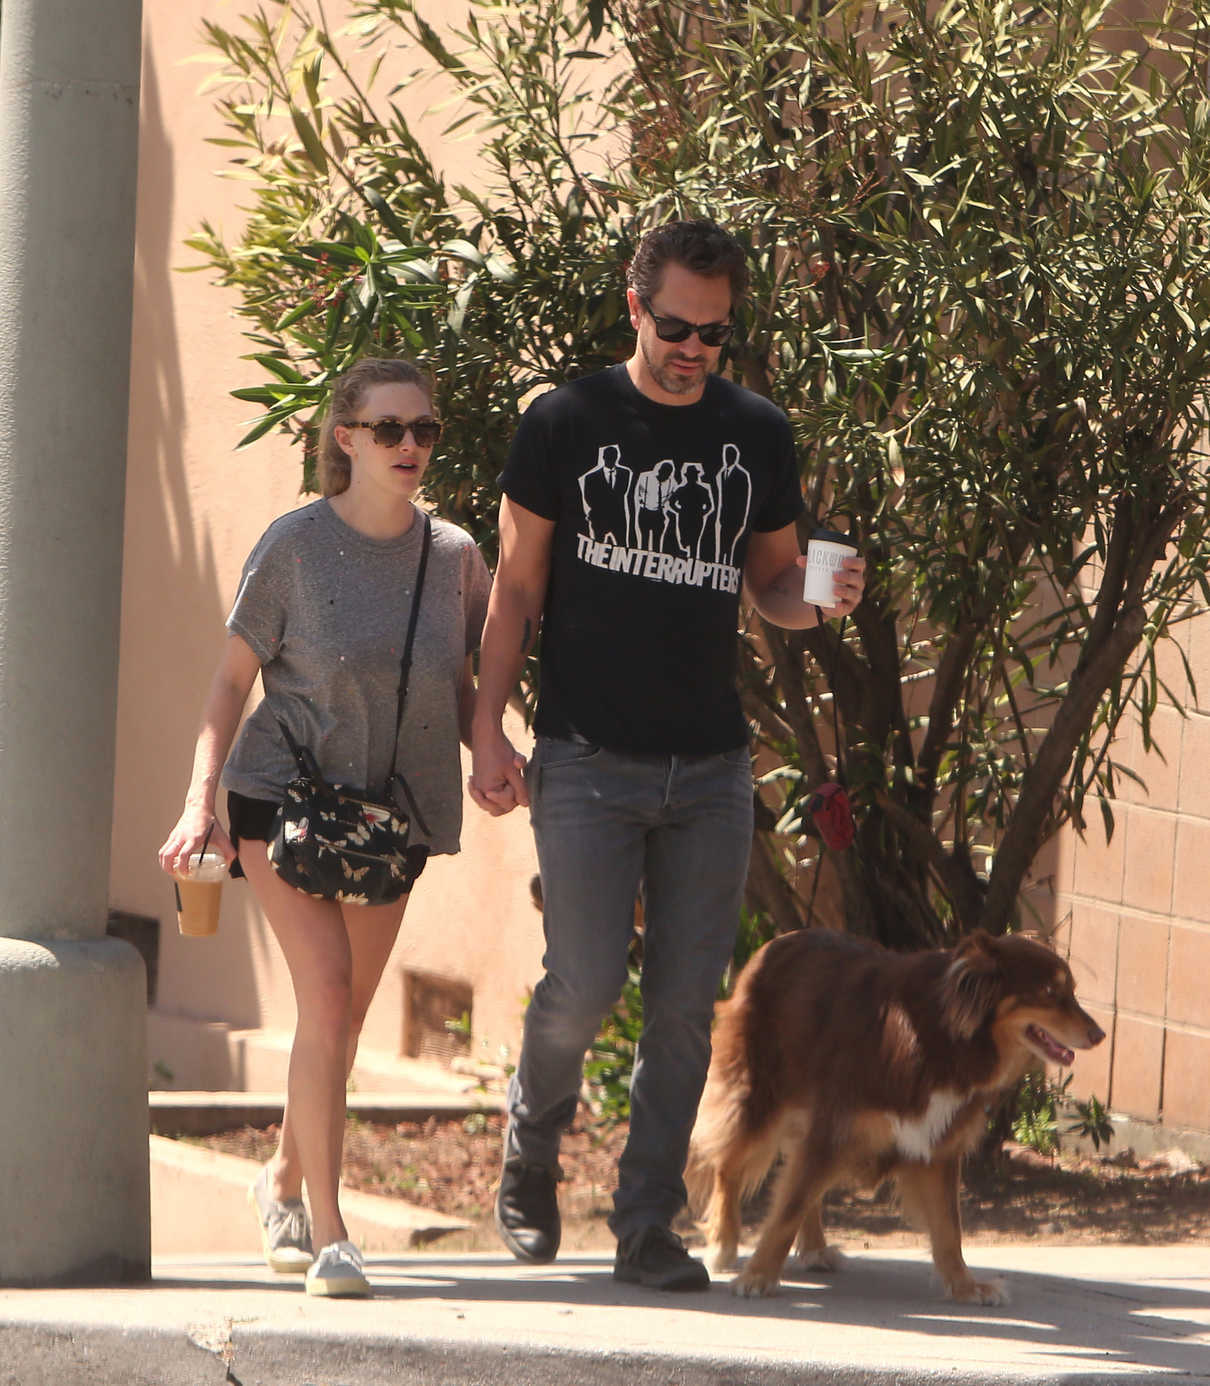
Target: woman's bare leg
pixel 336 955
pixel 372 931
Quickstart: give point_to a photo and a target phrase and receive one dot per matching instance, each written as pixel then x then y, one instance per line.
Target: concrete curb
pixel 199 1204
pixel 205 1113
pixel 83 1355
pixel 1114 1316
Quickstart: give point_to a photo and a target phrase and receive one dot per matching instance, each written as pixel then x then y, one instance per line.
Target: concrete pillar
pixel 73 1104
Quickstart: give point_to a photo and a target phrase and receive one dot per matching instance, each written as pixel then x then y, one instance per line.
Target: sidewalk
pixel 1112 1315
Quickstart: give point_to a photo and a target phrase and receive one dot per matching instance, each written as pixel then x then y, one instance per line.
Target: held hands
pixel 187 838
pixel 497 780
pixel 848 586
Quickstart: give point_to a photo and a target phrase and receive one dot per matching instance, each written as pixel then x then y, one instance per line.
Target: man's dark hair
pixel 698 246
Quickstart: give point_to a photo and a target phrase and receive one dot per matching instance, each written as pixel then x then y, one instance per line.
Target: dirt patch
pixel 452 1167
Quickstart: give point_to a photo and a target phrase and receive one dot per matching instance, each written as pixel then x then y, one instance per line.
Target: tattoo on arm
pixel 786 584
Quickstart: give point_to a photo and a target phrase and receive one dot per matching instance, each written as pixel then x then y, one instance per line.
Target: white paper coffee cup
pixel 826 553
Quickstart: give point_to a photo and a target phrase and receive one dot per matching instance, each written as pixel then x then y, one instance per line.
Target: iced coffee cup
pixel 199 893
pixel 826 553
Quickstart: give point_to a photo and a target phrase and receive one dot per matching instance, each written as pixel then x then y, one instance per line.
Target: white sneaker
pixel 284 1229
pixel 338 1272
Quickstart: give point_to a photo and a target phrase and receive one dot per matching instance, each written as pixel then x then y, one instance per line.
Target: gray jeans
pixel 604 822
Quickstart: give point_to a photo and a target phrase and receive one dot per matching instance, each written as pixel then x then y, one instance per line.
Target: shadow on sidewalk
pixel 1151 1325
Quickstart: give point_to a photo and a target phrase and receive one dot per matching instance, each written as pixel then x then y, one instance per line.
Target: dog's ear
pixel 972 984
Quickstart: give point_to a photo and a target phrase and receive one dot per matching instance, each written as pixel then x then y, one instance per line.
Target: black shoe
pixel 656 1257
pixel 527 1211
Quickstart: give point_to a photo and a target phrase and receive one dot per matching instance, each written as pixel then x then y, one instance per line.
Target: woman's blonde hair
pixel 334 466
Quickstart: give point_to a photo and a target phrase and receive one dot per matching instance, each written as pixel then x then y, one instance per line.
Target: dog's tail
pixel 722 1139
pixel 699 1178
pixel 713 1135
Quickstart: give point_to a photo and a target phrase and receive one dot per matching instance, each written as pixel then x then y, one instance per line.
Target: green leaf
pixel 310 76
pixel 265 425
pixel 293 315
pixel 276 366
pixel 461 249
pixel 311 141
pixel 382 207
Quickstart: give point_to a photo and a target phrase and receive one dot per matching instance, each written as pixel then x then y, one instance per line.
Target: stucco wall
pixel 194 508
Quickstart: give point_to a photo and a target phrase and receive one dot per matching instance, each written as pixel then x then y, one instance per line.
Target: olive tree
pixel 979 241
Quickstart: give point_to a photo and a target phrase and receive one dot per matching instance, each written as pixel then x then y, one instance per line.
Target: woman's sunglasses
pixel 710 334
pixel 389 433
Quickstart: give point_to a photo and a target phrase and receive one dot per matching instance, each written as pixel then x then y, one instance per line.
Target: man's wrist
pixel 486 724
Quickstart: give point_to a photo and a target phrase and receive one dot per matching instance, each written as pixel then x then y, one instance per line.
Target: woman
pixel 321 614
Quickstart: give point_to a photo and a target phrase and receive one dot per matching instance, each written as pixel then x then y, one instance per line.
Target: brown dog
pixel 856 1063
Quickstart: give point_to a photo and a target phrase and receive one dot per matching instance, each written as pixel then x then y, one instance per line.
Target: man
pixel 641 771
pixel 651 491
pixel 734 488
pixel 690 504
pixel 605 492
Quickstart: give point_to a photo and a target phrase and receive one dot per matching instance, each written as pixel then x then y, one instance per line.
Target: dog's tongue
pixel 1055 1051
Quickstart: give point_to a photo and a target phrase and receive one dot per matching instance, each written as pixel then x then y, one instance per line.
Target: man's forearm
pixel 781 603
pixel 508 637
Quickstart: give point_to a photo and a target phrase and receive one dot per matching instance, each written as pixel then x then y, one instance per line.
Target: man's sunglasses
pixel 710 334
pixel 389 433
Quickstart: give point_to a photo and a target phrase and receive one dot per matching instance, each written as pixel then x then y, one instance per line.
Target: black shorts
pixel 254 819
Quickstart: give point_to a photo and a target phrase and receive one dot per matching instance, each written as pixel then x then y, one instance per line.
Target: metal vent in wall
pixel 436 1016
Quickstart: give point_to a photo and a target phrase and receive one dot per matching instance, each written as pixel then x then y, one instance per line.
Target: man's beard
pixel 670 381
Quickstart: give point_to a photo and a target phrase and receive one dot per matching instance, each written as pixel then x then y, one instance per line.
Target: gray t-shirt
pixel 326 611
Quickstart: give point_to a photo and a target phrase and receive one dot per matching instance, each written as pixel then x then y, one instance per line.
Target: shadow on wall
pixel 172 607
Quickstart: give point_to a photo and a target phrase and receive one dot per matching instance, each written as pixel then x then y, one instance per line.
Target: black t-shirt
pixel 653 505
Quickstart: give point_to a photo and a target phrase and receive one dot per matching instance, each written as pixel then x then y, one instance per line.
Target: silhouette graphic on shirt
pixel 651 492
pixel 733 498
pixel 690 505
pixel 605 492
pixel 679 523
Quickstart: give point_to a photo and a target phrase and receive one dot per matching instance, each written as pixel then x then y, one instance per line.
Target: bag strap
pixel 405 664
pixel 304 758
pixel 398 779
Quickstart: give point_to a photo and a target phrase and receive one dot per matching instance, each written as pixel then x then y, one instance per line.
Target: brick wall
pixel 1135 912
